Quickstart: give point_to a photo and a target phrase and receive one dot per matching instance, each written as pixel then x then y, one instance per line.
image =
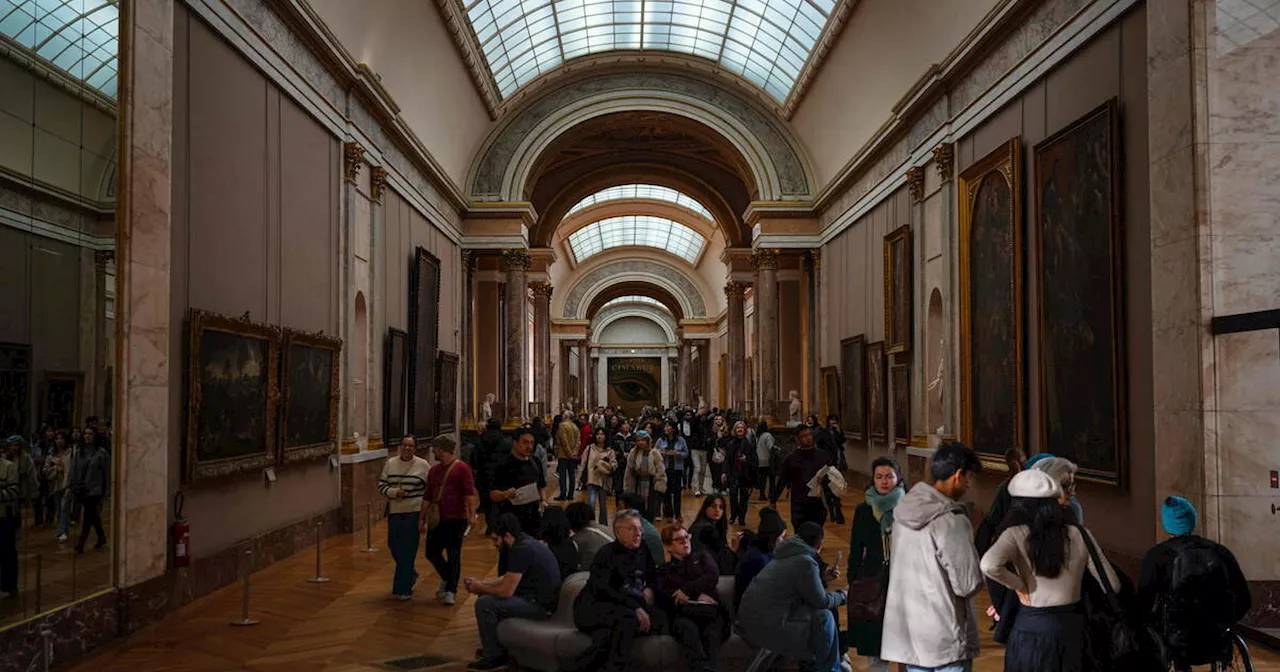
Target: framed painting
pixel 62 393
pixel 424 325
pixel 1080 296
pixel 900 385
pixel 853 412
pixel 446 392
pixel 310 392
pixel 395 384
pixel 991 375
pixel 233 393
pixel 897 290
pixel 877 395
pixel 831 393
pixel 15 384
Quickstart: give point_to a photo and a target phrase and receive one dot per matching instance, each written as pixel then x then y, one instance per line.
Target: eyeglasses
pixel 680 539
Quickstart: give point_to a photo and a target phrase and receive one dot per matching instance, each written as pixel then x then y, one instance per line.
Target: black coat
pixel 741 459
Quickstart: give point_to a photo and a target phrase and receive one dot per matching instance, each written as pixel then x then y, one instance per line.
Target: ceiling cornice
pixel 830 33
pixel 468 47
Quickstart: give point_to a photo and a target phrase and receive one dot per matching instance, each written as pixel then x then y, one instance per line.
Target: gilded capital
pixel 944 156
pixel 104 257
pixel 915 182
pixel 764 258
pixel 735 289
pixel 469 261
pixel 352 157
pixel 541 289
pixel 378 182
pixel 516 259
pixel 815 258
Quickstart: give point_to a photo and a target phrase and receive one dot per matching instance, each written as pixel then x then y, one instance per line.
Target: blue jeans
pixel 402 539
pixel 64 512
pixel 962 666
pixel 824 642
pixel 491 610
pixel 567 470
pixel 596 499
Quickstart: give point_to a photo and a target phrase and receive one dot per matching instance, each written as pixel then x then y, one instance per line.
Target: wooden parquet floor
pixel 352 625
pixel 63 576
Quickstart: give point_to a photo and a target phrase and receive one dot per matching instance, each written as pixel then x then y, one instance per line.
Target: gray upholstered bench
pixel 547 645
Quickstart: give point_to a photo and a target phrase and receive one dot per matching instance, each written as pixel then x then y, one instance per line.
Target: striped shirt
pixel 410 476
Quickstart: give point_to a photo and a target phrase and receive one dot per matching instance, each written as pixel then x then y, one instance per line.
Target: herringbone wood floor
pixel 351 625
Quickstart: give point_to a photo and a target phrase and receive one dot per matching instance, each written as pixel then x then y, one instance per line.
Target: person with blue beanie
pixel 1191 589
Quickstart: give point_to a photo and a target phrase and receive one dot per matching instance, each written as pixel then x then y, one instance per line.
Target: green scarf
pixel 882 506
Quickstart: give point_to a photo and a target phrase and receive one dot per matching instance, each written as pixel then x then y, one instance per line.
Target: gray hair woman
pixel 1063 471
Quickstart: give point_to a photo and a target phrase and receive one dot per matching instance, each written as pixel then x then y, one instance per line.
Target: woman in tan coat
pixel 646 472
pixel 596 473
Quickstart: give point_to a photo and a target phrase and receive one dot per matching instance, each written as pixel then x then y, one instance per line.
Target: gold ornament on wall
pixel 735 288
pixel 915 182
pixel 352 157
pixel 515 259
pixel 944 157
pixel 377 182
pixel 541 288
pixel 764 258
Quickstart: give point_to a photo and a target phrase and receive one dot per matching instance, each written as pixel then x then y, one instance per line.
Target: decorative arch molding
pixel 600 278
pixel 612 314
pixel 504 164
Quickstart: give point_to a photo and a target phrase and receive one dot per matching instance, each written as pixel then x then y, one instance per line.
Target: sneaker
pixel 448 599
pixel 404 598
pixel 495 663
pixel 62 537
pixel 441 590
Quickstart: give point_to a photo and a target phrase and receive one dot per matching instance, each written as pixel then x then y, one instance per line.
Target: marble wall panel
pixel 360 496
pixel 76 630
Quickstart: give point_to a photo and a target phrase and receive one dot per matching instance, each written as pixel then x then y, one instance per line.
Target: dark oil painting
pixel 62 399
pixel 311 390
pixel 447 391
pixel 634 382
pixel 1081 316
pixel 853 412
pixel 232 398
pixel 991 319
pixel 877 395
pixel 897 289
pixel 424 321
pixel 831 398
pixel 900 381
pixel 395 363
pixel 15 382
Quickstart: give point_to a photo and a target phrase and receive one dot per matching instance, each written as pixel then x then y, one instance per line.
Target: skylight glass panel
pixel 636 299
pixel 78 37
pixel 765 41
pixel 646 191
pixel 636 230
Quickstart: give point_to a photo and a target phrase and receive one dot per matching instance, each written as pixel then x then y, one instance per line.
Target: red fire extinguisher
pixel 181 533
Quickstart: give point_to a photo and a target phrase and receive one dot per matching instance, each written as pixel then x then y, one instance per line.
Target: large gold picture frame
pixel 233 394
pixel 897 290
pixel 991 374
pixel 311 391
pixel 830 391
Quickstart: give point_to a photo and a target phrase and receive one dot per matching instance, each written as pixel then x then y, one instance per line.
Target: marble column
pixel 766 264
pixel 468 349
pixel 590 399
pixel 141 423
pixel 733 292
pixel 815 330
pixel 584 373
pixel 683 389
pixel 515 263
pixel 666 380
pixel 542 343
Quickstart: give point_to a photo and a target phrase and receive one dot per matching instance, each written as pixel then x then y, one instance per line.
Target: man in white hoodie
pixel 403 482
pixel 929 620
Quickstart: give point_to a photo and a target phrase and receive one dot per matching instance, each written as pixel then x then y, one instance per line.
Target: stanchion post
pixel 244 600
pixel 47 634
pixel 318 578
pixel 39 581
pixel 73 575
pixel 368 529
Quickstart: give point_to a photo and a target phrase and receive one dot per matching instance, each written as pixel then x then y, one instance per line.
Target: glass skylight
pixel 78 37
pixel 633 230
pixel 636 299
pixel 649 191
pixel 765 41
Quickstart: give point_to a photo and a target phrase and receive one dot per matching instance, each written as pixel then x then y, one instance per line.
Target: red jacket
pixel 588 438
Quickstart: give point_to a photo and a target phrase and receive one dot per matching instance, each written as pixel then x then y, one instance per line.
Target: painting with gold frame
pixel 991 367
pixel 900 382
pixel 831 393
pixel 853 366
pixel 447 392
pixel 310 391
pixel 232 397
pixel 61 399
pixel 897 290
pixel 877 395
pixel 1079 259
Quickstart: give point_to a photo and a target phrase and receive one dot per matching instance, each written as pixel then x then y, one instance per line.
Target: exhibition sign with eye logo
pixel 635 382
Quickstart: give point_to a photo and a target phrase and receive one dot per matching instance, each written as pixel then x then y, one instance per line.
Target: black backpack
pixel 1199 605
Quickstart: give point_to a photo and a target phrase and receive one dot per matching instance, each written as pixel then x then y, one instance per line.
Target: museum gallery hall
pixel 247 247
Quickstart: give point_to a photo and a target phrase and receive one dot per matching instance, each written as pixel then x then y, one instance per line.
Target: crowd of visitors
pixel 914 566
pixel 58 479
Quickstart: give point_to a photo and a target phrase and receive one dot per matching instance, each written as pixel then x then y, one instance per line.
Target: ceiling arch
pixel 653 314
pixel 777 166
pixel 646 192
pixel 635 288
pixel 632 230
pixel 619 275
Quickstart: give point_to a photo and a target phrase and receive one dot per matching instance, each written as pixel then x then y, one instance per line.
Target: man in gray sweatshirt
pixel 929 620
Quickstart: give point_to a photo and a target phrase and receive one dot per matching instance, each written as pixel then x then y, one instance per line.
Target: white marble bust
pixel 486 409
pixel 794 409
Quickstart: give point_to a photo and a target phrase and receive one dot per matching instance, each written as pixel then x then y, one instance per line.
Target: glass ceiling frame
pixel 643 192
pixel 79 38
pixel 768 42
pixel 636 231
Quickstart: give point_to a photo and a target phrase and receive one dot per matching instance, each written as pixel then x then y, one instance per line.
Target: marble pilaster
pixel 666 380
pixel 542 342
pixel 468 349
pixel 515 263
pixel 141 424
pixel 584 373
pixel 766 293
pixel 733 292
pixel 684 384
pixel 815 329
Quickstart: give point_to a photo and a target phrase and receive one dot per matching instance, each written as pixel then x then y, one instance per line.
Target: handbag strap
pixel 443 482
pixel 1103 580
